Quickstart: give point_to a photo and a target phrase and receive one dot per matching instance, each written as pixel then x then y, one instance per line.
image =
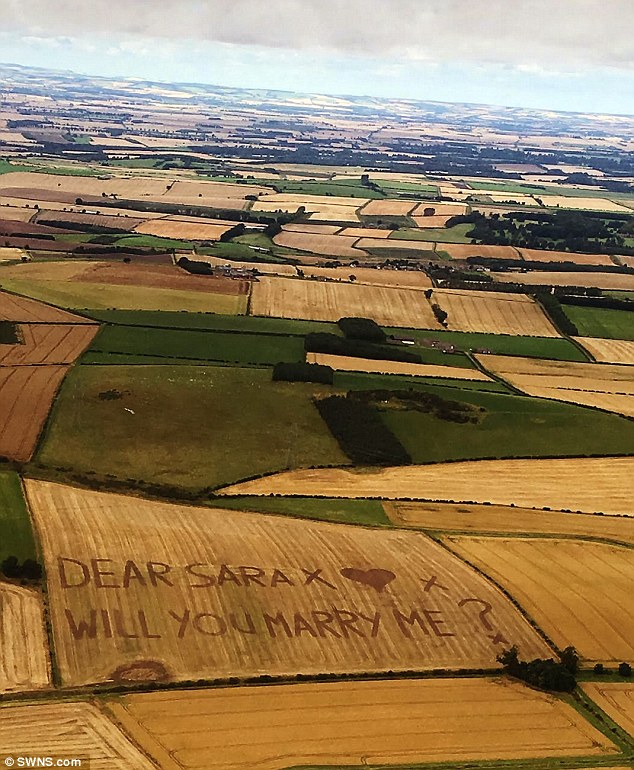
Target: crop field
pixel 25 310
pixel 602 322
pixel 364 232
pixel 589 484
pixel 9 254
pixel 210 617
pixel 47 344
pixel 332 245
pixel 26 395
pixel 325 208
pixel 589 204
pixel 496 519
pixel 605 386
pixel 388 208
pixel 24 659
pixel 609 351
pixel 350 364
pixel 75 729
pixel 319 301
pixel 464 250
pixel 78 295
pixel 308 227
pixel 616 699
pixel 189 426
pixel 606 281
pixel 158 276
pixel 407 279
pixel 89 220
pixel 442 209
pixel 493 313
pixel 335 724
pixel 380 245
pixel 187 231
pixel 433 230
pixel 537 255
pixel 578 592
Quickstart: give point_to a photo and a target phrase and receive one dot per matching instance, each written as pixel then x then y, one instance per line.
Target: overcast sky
pixel 556 54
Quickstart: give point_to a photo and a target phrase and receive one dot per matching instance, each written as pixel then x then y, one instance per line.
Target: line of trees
pixel 302 372
pixel 324 342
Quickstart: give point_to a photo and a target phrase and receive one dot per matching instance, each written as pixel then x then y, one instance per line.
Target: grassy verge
pixel 601 322
pixel 368 512
pixel 455 234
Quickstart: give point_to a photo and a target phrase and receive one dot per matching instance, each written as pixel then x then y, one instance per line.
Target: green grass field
pixel 513 426
pixel 601 322
pixel 500 344
pixel 154 242
pixel 341 188
pixel 363 381
pixel 16 533
pixel 191 427
pixel 200 345
pixel 78 295
pixel 369 512
pixel 455 234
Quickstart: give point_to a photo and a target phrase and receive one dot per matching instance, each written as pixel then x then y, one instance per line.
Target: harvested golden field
pixel 342 214
pixel 48 344
pixel 393 243
pixel 24 659
pixel 185 189
pixel 440 209
pixel 26 396
pixel 366 232
pixel 384 207
pixel 350 364
pixel 127 223
pixel 580 593
pixel 326 301
pixel 616 699
pixel 464 250
pixel 465 517
pixel 606 386
pixel 588 484
pixel 26 310
pixel 412 279
pixel 188 231
pixel 9 255
pixel 617 281
pixel 315 597
pixel 608 351
pixel 536 255
pixel 124 187
pixel 493 312
pixel 590 204
pixel 331 245
pixel 16 213
pixel 438 220
pixel 272 268
pixel 356 724
pixel 64 730
pixel 293 227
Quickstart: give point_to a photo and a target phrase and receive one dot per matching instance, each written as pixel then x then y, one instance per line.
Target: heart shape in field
pixel 375 578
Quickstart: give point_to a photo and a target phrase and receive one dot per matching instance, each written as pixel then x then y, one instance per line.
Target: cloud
pixel 565 35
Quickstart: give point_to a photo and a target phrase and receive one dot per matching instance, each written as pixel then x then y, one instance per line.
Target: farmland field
pixel 496 519
pixel 78 295
pixel 187 231
pixel 609 351
pixel 335 725
pixel 189 426
pixel 350 364
pixel 16 534
pixel 25 310
pixel 590 485
pixel 316 301
pixel 332 245
pixel 605 386
pixel 616 699
pixel 268 617
pixel 578 592
pixel 537 255
pixel 602 322
pixel 47 344
pixel 493 313
pixel 26 395
pixel 388 208
pixel 24 660
pixel 75 729
pixel 621 281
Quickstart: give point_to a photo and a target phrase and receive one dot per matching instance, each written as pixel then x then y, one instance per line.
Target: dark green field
pixel 199 345
pixel 16 533
pixel 191 427
pixel 601 322
pixel 512 426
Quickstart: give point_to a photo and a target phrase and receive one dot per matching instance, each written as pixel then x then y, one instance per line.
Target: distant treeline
pixel 323 342
pixel 611 303
pixel 302 372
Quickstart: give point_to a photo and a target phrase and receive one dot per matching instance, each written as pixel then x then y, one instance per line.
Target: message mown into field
pixel 147 590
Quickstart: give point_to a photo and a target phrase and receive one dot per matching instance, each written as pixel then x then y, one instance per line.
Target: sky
pixel 574 55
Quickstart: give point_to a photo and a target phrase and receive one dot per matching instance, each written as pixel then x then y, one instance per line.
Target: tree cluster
pixel 323 342
pixel 546 674
pixel 302 372
pixel 361 329
pixel 421 401
pixel 29 569
pixel 360 432
pixel 556 313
